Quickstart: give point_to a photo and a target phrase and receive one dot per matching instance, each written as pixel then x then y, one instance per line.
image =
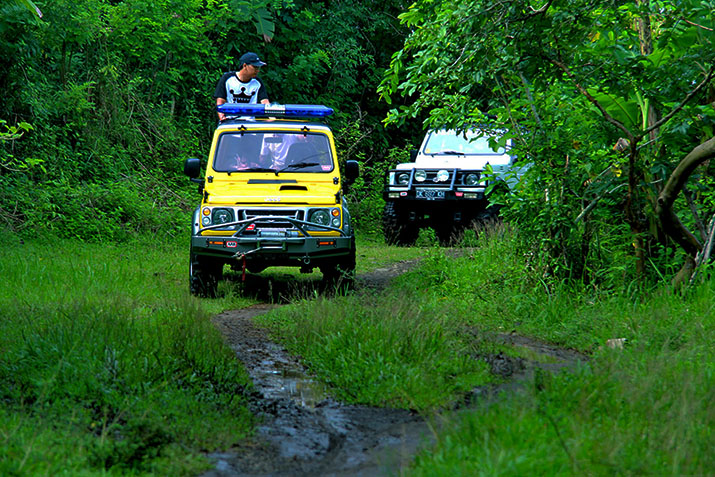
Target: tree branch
pixel 682 104
pixel 541 10
pixel 670 222
pixel 593 100
pixel 693 210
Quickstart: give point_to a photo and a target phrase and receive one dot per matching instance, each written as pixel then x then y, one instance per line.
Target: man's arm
pixel 220 93
pixel 220 101
pixel 262 93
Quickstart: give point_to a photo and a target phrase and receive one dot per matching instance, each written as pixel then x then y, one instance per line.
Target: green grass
pixel 381 349
pixel 107 365
pixel 644 409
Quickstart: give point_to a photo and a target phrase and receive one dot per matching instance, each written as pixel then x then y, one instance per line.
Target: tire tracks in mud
pixel 304 432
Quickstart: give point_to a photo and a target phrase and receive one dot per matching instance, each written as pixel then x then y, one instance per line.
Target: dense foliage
pixel 113 96
pixel 104 99
pixel 572 80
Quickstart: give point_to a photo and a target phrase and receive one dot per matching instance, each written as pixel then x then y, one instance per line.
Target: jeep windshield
pixel 272 151
pixel 474 142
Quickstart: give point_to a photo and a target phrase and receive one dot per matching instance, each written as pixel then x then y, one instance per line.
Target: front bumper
pixel 282 245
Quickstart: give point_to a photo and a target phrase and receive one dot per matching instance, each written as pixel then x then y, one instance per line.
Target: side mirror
pixel 413 155
pixel 192 168
pixel 352 170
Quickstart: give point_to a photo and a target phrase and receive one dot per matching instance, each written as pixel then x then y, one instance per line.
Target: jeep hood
pixel 271 190
pixel 458 161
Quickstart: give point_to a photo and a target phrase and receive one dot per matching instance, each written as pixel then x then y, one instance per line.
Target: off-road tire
pixel 396 227
pixel 204 275
pixel 448 233
pixel 489 216
pixel 341 272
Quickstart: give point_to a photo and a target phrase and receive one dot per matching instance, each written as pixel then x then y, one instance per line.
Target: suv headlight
pixel 320 217
pixel 442 176
pixel 420 176
pixel 216 216
pixel 471 179
pixel 222 216
pixel 403 178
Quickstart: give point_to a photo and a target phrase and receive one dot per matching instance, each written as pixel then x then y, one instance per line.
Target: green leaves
pixel 264 24
pixel 572 78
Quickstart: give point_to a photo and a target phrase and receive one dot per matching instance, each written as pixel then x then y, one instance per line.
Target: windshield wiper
pixel 298 165
pixel 450 152
pixel 256 169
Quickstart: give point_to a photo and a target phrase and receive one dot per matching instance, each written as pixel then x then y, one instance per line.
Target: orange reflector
pixel 335 212
pixel 216 242
pixel 326 242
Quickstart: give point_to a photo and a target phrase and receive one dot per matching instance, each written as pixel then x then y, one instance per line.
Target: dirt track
pixel 303 430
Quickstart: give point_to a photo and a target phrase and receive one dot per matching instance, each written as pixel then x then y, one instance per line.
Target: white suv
pixel 444 187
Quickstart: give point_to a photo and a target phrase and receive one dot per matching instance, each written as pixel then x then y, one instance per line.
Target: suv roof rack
pixel 283 110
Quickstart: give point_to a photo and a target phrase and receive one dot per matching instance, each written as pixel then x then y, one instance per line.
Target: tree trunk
pixel 669 221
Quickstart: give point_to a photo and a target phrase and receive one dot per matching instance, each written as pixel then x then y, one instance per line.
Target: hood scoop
pixel 293 188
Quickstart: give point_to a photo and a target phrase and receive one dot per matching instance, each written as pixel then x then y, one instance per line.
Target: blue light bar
pixel 284 110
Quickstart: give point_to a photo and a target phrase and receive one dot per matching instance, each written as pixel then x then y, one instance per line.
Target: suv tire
pixel 341 272
pixel 396 226
pixel 204 275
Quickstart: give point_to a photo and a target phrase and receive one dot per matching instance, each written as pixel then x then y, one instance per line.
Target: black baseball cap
pixel 251 59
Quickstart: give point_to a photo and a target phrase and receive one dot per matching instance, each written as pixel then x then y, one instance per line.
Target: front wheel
pixel 341 272
pixel 396 226
pixel 204 275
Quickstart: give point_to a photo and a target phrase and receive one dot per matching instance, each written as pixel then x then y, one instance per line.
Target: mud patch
pixel 303 430
pixel 518 371
pixel 381 277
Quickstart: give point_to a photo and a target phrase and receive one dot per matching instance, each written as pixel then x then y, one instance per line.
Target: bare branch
pixel 697 25
pixel 593 100
pixel 704 255
pixel 682 104
pixel 670 222
pixel 541 10
pixel 698 222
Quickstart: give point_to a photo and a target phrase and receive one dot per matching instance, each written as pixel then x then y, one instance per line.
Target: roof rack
pixel 284 110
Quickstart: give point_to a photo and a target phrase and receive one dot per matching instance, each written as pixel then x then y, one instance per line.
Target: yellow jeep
pixel 272 196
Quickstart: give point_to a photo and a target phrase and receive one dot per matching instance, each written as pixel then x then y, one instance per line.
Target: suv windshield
pixel 473 142
pixel 270 151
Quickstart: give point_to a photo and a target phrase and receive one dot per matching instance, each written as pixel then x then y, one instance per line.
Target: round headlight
pixel 471 179
pixel 320 216
pixel 442 176
pixel 420 176
pixel 222 216
pixel 336 222
pixel 206 220
pixel 403 179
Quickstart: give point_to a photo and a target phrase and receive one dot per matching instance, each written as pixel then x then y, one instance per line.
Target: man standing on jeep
pixel 242 86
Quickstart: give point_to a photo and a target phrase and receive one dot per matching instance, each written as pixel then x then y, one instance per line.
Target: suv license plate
pixel 430 194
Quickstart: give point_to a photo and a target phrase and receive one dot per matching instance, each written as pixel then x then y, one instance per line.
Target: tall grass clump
pixel 643 408
pixel 107 365
pixel 384 350
pixel 646 409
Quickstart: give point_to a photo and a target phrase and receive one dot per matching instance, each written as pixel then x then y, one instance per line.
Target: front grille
pixel 248 214
pixel 457 177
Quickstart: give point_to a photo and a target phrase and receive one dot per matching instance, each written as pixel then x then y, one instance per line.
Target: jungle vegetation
pixel 108 366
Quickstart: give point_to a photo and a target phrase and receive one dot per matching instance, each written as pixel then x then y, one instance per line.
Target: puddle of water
pixel 304 391
pixel 276 376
